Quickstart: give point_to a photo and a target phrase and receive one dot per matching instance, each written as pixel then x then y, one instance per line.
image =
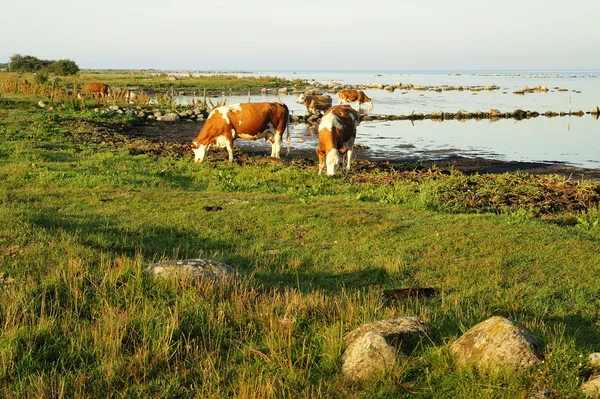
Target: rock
pixel 497 343
pixel 403 327
pixel 437 115
pixel 368 357
pixel 141 114
pixel 113 107
pixel 42 104
pixel 596 111
pixel 171 77
pixel 283 90
pixel 462 114
pixel 389 88
pixel 195 270
pixel 591 388
pixel 519 113
pixel 170 117
pixel 594 359
pixel 150 118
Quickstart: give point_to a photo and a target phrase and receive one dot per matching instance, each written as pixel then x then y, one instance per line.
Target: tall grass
pixel 81 219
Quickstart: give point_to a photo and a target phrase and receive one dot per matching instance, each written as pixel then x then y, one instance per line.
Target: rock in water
pixel 497 343
pixel 195 270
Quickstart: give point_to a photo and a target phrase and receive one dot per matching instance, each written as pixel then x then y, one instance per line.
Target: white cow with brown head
pixel 337 132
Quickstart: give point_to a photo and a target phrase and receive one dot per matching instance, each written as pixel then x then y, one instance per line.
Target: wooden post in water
pixel 248 95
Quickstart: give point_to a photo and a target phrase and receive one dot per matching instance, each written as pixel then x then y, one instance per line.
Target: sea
pixel 570 140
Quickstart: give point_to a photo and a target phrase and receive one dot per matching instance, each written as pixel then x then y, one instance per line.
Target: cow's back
pixel 251 118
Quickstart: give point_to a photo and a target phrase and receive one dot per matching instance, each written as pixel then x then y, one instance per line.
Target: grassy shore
pixel 156 81
pixel 85 209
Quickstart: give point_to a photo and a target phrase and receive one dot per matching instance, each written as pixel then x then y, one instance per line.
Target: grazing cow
pixel 337 132
pixel 350 96
pixel 250 121
pixel 315 104
pixel 94 89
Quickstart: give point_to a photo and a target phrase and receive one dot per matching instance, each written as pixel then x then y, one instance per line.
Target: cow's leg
pixel 230 149
pixel 349 153
pixel 321 155
pixel 276 146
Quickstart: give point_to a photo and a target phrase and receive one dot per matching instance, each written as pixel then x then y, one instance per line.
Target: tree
pixel 27 63
pixel 64 67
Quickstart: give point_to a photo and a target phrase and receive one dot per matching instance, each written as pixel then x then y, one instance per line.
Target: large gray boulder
pixel 368 357
pixel 195 270
pixel 373 348
pixel 497 343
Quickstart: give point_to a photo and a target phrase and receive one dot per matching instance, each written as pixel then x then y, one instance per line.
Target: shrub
pixel 64 67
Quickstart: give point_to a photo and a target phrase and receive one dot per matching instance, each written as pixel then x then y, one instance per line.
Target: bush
pixel 29 63
pixel 64 67
pixel 41 77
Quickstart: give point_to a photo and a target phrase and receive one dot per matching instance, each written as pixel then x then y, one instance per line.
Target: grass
pixel 84 209
pixel 155 81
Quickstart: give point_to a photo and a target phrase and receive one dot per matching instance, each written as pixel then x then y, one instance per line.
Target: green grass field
pixel 84 209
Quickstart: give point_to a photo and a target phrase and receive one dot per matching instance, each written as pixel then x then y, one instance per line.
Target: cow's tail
pixel 288 140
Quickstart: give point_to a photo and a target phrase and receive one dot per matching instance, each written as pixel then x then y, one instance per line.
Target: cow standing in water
pixel 350 96
pixel 249 121
pixel 315 104
pixel 337 132
pixel 94 89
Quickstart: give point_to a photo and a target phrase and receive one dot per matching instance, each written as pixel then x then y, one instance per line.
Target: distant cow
pixel 250 121
pixel 350 96
pixel 94 89
pixel 337 132
pixel 315 104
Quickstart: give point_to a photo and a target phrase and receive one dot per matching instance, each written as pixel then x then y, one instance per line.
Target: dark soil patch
pixel 176 136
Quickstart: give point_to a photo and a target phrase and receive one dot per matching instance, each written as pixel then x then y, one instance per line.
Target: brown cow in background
pixel 95 90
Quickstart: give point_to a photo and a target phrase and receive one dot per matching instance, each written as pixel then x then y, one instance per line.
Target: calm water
pixel 574 140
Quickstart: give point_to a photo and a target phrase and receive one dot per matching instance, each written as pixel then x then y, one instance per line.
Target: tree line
pixel 28 63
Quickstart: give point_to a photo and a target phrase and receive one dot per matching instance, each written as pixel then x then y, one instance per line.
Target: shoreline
pixel 184 133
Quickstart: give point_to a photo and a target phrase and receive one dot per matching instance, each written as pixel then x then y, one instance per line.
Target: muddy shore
pixel 184 133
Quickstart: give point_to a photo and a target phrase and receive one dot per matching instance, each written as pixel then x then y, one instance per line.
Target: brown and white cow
pixel 250 121
pixel 337 132
pixel 94 89
pixel 350 96
pixel 315 104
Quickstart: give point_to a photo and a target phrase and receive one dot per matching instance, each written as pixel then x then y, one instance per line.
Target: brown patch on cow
pixel 95 89
pixel 351 96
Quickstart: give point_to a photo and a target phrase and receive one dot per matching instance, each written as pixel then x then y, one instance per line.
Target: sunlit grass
pixel 82 217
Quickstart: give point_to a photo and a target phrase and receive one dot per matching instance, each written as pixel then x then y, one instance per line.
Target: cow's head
pixel 333 162
pixel 301 99
pixel 199 151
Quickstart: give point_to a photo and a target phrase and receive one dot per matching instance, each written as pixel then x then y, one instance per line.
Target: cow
pixel 94 89
pixel 250 121
pixel 337 132
pixel 350 96
pixel 315 104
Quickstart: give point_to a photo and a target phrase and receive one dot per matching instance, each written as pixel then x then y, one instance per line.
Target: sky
pixel 263 35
